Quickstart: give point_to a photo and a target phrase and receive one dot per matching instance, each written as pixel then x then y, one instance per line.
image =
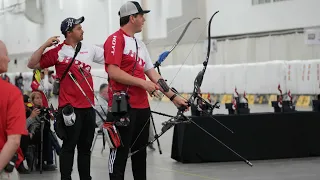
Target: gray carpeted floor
pixel 163 167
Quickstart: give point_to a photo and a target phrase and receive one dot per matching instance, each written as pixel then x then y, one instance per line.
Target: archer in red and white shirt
pixel 60 57
pixel 120 50
pixel 79 132
pixel 120 53
pixel 125 67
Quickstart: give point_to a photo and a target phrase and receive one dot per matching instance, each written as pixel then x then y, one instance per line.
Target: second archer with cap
pixel 127 63
pixel 78 128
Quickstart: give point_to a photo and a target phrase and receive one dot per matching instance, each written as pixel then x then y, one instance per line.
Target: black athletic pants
pixel 81 135
pixel 118 157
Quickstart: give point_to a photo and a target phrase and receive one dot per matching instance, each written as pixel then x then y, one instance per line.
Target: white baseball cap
pixel 130 8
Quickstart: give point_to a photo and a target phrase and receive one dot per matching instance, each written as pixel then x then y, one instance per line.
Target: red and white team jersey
pixel 120 49
pixel 60 57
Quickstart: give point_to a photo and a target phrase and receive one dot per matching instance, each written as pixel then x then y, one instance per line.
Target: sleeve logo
pixel 113 47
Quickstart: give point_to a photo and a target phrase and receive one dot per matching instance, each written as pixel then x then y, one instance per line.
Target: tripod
pixel 155 131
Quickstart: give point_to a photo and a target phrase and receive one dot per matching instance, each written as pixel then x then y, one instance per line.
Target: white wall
pixel 21 35
pixel 24 36
pixel 95 25
pixel 239 16
pixel 161 11
pixel 235 17
pixel 261 49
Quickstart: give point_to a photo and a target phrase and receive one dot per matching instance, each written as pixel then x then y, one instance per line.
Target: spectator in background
pixel 103 98
pixel 12 119
pixel 43 86
pixel 5 77
pixel 18 81
pixel 25 139
pixel 33 125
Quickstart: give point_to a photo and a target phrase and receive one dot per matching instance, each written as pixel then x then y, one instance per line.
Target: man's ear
pixel 68 33
pixel 131 18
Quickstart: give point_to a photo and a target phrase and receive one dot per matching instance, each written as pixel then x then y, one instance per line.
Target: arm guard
pixel 163 85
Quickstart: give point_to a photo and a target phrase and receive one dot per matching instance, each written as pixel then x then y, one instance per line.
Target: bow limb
pixel 165 54
pixel 183 32
pixel 169 32
pixel 199 79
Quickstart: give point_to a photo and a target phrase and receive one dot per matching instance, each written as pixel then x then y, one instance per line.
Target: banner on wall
pixel 312 36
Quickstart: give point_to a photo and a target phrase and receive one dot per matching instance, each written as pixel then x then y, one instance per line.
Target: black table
pixel 256 137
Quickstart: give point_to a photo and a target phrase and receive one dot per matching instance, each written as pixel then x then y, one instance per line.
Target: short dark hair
pixel 65 34
pixel 124 20
pixel 102 86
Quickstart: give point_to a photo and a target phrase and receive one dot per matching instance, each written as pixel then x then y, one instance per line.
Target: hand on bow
pixel 151 88
pixel 155 93
pixel 181 102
